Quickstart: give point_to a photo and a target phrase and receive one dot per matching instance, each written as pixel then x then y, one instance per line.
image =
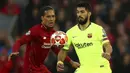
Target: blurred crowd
pixel 17 16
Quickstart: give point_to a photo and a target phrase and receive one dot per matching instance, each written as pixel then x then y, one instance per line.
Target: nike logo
pixel 74 36
pixel 101 66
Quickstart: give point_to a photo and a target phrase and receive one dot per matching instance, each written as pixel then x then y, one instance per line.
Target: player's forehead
pixel 81 9
pixel 50 12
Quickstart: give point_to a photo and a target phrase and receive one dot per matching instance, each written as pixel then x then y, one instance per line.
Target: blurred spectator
pixel 11 8
pixel 122 39
pixel 4 41
pixel 127 24
pixel 61 19
pixel 3 57
pixel 32 18
pixel 2 3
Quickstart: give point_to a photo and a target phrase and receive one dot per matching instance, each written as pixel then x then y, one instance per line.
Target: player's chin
pixel 50 26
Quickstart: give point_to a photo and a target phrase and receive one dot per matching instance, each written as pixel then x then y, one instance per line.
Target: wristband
pixel 60 62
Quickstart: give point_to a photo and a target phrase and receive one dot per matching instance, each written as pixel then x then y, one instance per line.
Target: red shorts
pixel 41 69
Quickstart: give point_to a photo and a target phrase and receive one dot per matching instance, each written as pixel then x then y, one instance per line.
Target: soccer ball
pixel 59 38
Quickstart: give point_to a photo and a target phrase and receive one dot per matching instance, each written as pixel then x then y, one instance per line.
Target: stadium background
pixel 17 16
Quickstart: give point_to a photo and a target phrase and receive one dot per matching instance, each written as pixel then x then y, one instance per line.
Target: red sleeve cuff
pixel 67 59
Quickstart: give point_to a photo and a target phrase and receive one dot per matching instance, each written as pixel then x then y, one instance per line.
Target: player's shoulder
pixel 35 27
pixel 74 28
pixel 96 26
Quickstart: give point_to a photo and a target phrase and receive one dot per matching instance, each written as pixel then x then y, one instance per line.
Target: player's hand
pixel 60 66
pixel 106 55
pixel 74 64
pixel 12 55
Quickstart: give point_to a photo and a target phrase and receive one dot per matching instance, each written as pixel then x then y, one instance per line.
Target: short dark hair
pixel 84 4
pixel 44 9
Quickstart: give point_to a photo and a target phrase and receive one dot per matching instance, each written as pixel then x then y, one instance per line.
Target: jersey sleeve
pixel 66 47
pixel 26 38
pixel 103 36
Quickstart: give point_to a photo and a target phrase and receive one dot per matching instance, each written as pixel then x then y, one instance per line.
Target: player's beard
pixel 82 22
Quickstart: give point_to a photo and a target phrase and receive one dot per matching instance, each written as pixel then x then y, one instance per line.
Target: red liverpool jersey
pixel 37 41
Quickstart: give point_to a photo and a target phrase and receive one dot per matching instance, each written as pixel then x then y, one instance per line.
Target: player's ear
pixel 89 14
pixel 41 17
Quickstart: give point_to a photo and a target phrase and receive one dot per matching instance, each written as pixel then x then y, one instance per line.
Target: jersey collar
pixel 45 28
pixel 86 27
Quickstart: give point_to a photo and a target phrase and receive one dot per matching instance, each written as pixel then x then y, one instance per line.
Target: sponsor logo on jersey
pixel 46 45
pixel 83 45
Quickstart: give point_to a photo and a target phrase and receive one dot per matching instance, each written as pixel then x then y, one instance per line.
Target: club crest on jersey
pixel 89 35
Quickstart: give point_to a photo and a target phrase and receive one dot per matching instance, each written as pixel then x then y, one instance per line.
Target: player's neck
pixel 85 26
pixel 45 27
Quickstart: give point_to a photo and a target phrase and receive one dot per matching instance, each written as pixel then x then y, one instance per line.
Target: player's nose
pixel 52 18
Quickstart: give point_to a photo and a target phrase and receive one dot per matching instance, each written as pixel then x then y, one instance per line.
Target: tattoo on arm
pixel 108 47
pixel 62 55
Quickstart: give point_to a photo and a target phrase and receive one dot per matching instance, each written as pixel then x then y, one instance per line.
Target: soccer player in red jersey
pixel 7 67
pixel 37 41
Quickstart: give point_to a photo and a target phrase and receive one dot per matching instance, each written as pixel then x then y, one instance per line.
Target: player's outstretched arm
pixel 26 38
pixel 108 50
pixel 15 50
pixel 61 57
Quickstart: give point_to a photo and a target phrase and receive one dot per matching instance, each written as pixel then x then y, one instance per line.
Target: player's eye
pixel 82 11
pixel 48 16
pixel 53 15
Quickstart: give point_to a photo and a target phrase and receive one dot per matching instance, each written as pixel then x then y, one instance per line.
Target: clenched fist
pixel 60 66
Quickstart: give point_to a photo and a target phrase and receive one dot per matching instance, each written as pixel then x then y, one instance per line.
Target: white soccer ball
pixel 59 38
